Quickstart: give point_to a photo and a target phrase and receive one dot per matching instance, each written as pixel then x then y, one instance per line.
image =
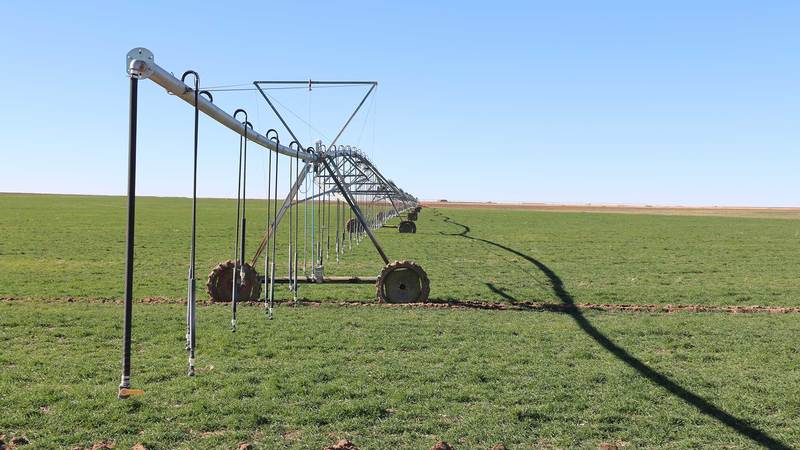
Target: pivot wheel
pixel 220 282
pixel 352 226
pixel 407 226
pixel 403 282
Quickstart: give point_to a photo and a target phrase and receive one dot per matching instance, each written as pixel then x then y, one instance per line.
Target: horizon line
pixel 467 202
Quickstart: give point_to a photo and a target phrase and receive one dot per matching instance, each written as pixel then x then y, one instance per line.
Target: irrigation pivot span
pixel 338 190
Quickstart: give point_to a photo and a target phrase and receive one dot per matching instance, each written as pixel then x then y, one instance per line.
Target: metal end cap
pixel 138 62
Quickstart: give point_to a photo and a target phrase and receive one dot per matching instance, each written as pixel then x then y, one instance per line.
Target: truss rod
pixel 356 210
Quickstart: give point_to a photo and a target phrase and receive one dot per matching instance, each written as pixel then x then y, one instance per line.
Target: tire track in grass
pixel 512 304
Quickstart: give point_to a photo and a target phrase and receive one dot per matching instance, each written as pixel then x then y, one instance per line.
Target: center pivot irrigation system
pixel 331 189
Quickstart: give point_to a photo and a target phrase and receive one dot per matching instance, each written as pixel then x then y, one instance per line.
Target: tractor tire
pixel 407 226
pixel 403 282
pixel 220 283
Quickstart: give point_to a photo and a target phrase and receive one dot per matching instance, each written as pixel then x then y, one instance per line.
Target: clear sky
pixel 678 102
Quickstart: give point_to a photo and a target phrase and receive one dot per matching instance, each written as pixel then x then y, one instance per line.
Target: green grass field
pixel 389 377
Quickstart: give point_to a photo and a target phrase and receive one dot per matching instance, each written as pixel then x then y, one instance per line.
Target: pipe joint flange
pixel 138 63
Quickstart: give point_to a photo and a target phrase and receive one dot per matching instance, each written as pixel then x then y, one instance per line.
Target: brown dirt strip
pixel 560 307
pixel 459 304
pixel 729 211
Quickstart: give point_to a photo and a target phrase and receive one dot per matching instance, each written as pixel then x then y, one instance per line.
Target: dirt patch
pixel 12 443
pixel 342 444
pixel 442 445
pixel 208 434
pixel 113 301
pixel 291 435
pixel 612 445
pixel 98 446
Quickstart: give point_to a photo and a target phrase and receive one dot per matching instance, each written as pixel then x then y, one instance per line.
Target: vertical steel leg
pixel 125 383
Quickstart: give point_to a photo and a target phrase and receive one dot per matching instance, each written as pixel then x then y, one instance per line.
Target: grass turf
pixel 399 378
pixel 57 246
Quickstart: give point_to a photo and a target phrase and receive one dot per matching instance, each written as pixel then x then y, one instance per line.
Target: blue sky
pixel 694 103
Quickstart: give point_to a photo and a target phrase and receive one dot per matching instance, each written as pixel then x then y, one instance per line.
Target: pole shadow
pixel 557 285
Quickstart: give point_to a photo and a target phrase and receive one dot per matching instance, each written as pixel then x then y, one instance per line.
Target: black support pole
pixel 125 384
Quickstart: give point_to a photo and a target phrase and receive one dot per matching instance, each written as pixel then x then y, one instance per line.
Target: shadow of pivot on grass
pixel 557 286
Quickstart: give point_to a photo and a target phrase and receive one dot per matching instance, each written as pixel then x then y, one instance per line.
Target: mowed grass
pixel 404 378
pixel 73 246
